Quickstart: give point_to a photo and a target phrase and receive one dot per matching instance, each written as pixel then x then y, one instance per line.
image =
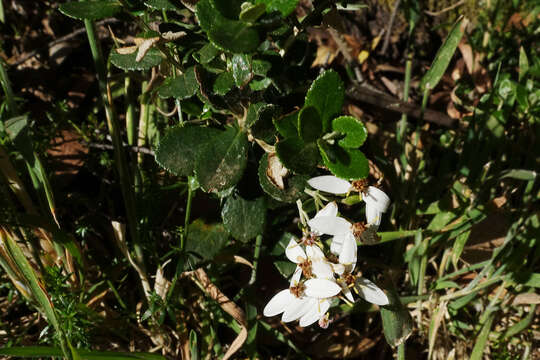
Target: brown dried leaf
pixel 127 50
pixel 276 171
pixel 145 46
pixel 526 299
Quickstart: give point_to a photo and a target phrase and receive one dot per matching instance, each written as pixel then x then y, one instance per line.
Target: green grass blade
pixel 48 351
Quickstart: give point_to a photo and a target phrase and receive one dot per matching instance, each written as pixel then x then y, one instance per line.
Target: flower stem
pixel 258 242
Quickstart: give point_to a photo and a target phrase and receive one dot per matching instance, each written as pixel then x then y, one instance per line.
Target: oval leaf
pixel 297 156
pixel 349 164
pixel 177 149
pixel 285 7
pixel 397 322
pixel 91 10
pixel 355 132
pixel 181 87
pixel 293 186
pixel 226 34
pixel 205 241
pixel 221 163
pixel 128 62
pixel 244 219
pixel 326 94
pixel 309 124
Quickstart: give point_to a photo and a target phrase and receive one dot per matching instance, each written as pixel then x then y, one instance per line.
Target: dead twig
pixel 389 29
pixel 374 97
pixel 440 12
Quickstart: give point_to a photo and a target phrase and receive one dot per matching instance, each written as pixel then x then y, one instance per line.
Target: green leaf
pixel 258 85
pixel 459 245
pixel 294 185
pixel 207 53
pixel 285 268
pixel 161 4
pixel 223 84
pixel 354 130
pixel 181 87
pixel 442 59
pixel 326 94
pixel 478 349
pixel 523 63
pixel 263 127
pixel 397 322
pixel 349 164
pixel 252 113
pixel 260 67
pixel 520 174
pixel 298 156
pixel 241 69
pixel 285 7
pixel 91 10
pixel 48 351
pixel 287 125
pixel 206 240
pixel 221 163
pixel 179 146
pixel 281 245
pixel 193 346
pixel 250 13
pixel 244 219
pixel 226 34
pixel 127 61
pixel 309 124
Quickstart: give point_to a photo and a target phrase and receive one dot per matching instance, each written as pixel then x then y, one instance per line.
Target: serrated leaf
pixel 244 219
pixel 127 61
pixel 263 127
pixel 294 185
pixel 91 10
pixel 182 87
pixel 285 7
pixel 354 130
pixel 223 84
pixel 250 13
pixel 287 125
pixel 241 69
pixel 205 240
pixel 226 34
pixel 179 146
pixel 221 163
pixel 443 57
pixel 309 124
pixel 349 164
pixel 207 53
pixel 397 322
pixel 326 94
pixel 298 156
pixel 161 4
pixel 252 113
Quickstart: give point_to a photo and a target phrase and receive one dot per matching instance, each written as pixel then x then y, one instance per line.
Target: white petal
pixel 322 269
pixel 338 268
pixel 377 198
pixel 371 292
pixel 373 216
pixel 337 243
pixel 347 292
pixel 347 255
pixel 277 304
pixel 330 209
pixel 295 309
pixel 296 276
pixel 314 252
pixel 317 310
pixel 294 252
pixel 321 288
pixel 330 184
pixel 330 225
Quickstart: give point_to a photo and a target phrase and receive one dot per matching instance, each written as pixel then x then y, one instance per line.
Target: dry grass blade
pixel 434 326
pixel 229 307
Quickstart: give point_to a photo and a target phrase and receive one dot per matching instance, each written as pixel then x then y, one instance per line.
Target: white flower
pixel 376 200
pixel 364 288
pixel 310 262
pixel 343 243
pixel 302 300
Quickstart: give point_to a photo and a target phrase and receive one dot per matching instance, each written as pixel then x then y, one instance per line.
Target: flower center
pixel 349 279
pixel 309 238
pixel 306 268
pixel 358 229
pixel 360 185
pixel 298 290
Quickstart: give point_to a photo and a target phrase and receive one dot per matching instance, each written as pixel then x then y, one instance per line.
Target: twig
pixel 374 97
pixel 440 12
pixel 67 37
pixel 389 29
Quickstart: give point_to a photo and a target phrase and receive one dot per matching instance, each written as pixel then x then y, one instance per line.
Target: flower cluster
pixel 318 278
